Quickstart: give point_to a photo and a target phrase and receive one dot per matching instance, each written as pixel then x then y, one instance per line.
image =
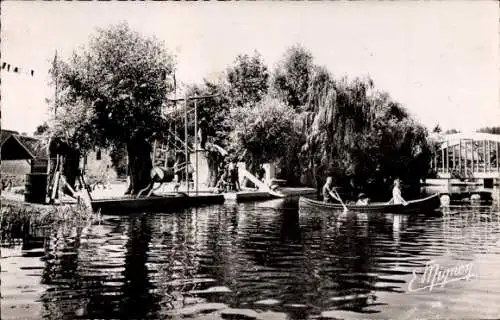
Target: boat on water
pixel 426 205
pixel 154 203
pixel 289 192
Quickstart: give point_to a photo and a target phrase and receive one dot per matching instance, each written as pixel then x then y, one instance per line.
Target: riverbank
pixel 18 217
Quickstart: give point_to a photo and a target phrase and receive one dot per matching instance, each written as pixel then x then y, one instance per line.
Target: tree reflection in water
pixel 61 273
pixel 80 276
pixel 138 300
pixel 148 266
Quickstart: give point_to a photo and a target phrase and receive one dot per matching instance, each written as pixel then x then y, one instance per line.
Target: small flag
pixel 20 70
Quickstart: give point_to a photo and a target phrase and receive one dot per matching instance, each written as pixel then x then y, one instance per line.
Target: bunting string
pixel 16 69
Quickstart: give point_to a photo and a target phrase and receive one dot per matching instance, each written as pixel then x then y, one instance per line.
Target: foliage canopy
pixel 112 93
pixel 113 87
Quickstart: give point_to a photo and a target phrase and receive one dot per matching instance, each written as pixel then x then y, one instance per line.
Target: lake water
pixel 265 258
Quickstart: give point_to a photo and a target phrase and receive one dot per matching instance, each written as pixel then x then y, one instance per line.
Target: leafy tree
pixel 245 84
pixel 451 131
pixel 248 80
pixel 212 114
pixel 362 138
pixel 437 129
pixel 118 155
pixel 112 93
pixel 292 76
pixel 492 130
pixel 262 133
pixel 41 129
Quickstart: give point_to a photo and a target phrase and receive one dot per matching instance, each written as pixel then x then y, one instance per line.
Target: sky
pixel 439 59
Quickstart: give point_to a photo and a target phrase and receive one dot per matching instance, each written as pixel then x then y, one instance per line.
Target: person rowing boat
pixel 330 193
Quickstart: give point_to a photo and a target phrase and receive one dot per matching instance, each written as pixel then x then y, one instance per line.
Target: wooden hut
pixel 21 149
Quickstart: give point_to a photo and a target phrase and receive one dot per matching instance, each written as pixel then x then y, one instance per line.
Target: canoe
pixel 154 203
pixel 283 192
pixel 426 205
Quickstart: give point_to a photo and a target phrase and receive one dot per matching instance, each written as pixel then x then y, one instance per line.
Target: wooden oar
pixel 341 202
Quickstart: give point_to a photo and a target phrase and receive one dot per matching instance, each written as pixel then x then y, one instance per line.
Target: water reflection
pixel 152 266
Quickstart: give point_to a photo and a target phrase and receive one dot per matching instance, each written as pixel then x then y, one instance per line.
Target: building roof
pixel 18 147
pixel 6 134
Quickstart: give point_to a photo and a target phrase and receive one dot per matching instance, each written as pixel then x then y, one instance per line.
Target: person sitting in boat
pixel 363 200
pixel 397 198
pixel 329 192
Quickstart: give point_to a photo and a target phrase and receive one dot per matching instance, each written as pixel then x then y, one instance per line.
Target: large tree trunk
pixel 139 165
pixel 71 169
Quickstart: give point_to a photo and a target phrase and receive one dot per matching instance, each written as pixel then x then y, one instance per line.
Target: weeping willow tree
pixel 361 137
pixel 350 131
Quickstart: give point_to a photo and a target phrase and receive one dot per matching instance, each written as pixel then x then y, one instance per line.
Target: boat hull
pixel 163 203
pixel 426 205
pixel 291 192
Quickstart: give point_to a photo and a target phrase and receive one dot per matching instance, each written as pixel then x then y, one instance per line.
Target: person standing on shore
pixel 235 176
pixel 261 173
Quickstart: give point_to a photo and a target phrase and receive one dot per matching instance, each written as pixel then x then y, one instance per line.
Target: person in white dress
pixel 397 198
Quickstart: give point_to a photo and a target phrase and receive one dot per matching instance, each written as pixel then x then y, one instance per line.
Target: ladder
pixel 178 144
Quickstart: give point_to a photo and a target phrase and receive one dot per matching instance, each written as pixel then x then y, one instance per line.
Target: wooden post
pixel 472 155
pixel 484 155
pixel 453 157
pixel 442 160
pixel 485 146
pixel 488 158
pixel 447 157
pixel 436 163
pixel 472 147
pixel 196 145
pixel 154 153
pixel 460 155
pixel 498 166
pixel 56 71
pixel 466 158
pixel 57 176
pixel 471 142
pixel 186 143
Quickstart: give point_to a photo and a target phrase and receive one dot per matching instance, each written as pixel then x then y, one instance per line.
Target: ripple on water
pixel 243 261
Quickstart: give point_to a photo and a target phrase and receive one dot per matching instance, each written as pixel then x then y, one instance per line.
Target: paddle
pixel 340 199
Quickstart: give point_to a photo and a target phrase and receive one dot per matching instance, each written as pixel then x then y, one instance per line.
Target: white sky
pixel 439 59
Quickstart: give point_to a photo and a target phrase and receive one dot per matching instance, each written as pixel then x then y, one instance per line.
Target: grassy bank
pixel 19 218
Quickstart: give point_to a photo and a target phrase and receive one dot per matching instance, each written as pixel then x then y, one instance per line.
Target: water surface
pixel 266 257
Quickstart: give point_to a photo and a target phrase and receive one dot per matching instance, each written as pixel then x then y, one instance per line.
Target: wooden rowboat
pixel 283 192
pixel 425 205
pixel 154 203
